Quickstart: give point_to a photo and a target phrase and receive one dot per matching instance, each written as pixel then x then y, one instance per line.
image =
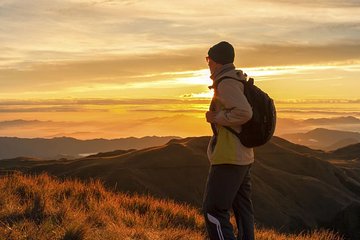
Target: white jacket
pixel 233 110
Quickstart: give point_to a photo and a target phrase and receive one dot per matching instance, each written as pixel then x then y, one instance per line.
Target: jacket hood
pixel 237 74
pixel 227 70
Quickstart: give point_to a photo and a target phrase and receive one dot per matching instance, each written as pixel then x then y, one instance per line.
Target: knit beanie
pixel 222 53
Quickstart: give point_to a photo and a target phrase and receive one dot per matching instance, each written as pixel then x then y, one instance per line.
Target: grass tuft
pixel 75 233
pixel 36 211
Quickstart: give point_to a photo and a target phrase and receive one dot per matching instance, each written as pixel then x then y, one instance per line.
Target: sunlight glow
pixel 141 64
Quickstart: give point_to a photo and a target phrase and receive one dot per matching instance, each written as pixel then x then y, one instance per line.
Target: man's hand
pixel 210 116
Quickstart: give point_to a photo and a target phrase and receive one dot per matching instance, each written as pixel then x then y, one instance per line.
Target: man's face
pixel 212 64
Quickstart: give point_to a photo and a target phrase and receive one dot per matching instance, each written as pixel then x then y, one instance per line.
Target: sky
pixel 108 69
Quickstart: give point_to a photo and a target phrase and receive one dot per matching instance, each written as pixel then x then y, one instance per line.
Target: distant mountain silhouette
pixel 291 126
pixel 325 139
pixel 348 152
pixel 330 121
pixel 65 147
pixel 294 189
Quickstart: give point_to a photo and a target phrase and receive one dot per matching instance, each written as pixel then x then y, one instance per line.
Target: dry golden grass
pixel 42 207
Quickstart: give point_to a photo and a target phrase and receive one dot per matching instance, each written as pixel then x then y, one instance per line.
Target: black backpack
pixel 260 128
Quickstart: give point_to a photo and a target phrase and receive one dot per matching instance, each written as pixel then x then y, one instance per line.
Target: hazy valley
pixel 69 148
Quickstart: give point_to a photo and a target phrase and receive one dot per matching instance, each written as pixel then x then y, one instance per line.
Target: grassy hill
pixel 42 207
pixel 293 188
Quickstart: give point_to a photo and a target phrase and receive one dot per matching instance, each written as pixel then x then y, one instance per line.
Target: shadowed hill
pixel 348 152
pixel 42 207
pixel 301 149
pixel 293 188
pixel 303 189
pixel 176 170
pixel 348 159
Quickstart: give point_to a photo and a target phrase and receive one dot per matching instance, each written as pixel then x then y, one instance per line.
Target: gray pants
pixel 229 187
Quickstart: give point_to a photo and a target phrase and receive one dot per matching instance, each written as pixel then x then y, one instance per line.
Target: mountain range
pixel 295 188
pixel 324 139
pixel 66 147
pixel 289 125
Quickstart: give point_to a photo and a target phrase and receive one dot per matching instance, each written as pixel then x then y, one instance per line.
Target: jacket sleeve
pixel 237 109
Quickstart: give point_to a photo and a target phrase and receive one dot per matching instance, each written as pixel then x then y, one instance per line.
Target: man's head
pixel 220 54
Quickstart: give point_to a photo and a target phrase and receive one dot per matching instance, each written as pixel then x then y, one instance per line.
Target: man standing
pixel 229 184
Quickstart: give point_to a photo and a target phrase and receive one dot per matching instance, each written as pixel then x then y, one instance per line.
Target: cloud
pixel 169 110
pixel 308 112
pixel 34 123
pixel 320 3
pixel 49 31
pixel 289 125
pixel 86 56
pixel 71 45
pixel 49 109
pixel 277 55
pixel 318 101
pixel 21 122
pixel 110 109
pixel 176 125
pixel 329 121
pixel 110 102
pixel 38 128
pixel 70 76
pixel 60 75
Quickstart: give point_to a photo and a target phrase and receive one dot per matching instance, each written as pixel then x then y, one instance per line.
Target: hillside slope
pixel 349 152
pixel 294 189
pixel 45 208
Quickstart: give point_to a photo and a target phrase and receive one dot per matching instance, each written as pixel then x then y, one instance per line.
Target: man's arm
pixel 237 108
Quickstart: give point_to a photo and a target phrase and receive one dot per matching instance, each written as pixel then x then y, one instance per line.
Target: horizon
pixel 178 137
pixel 115 69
